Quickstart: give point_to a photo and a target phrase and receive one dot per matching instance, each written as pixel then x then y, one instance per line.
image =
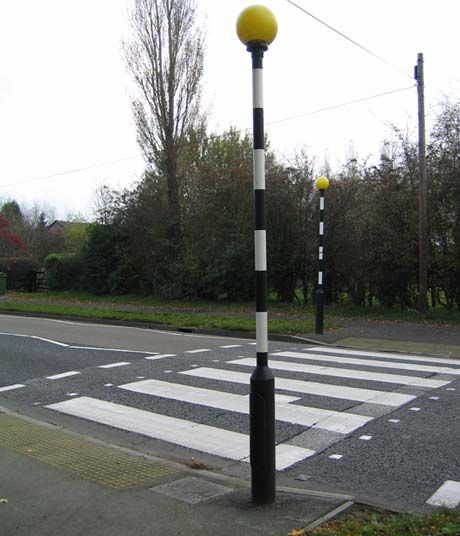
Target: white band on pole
pixel 257 88
pixel 260 239
pixel 259 169
pixel 262 332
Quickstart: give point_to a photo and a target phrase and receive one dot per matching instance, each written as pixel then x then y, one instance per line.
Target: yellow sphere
pixel 256 23
pixel 322 183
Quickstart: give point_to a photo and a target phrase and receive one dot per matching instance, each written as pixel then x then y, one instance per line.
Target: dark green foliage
pixel 63 271
pixel 218 223
pixel 444 205
pixel 99 259
pixel 19 272
pixel 284 236
pixel 371 227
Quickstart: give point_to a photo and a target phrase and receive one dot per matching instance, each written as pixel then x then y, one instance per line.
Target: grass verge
pixel 441 523
pixel 439 315
pixel 190 320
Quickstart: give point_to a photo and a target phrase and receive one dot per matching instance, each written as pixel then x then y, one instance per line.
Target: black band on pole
pixel 259 210
pixel 261 294
pixel 258 122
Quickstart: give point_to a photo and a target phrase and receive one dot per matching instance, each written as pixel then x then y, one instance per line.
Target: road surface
pixel 385 427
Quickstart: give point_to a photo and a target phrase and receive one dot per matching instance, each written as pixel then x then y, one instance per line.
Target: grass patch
pixel 441 523
pixel 439 315
pixel 232 323
pixel 135 299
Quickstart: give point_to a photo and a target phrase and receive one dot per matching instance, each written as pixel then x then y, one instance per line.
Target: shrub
pixel 63 271
pixel 19 272
pixel 99 256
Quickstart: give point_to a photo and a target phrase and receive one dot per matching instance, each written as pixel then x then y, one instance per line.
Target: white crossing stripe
pixel 231 346
pixel 346 373
pixel 311 388
pixel 284 399
pixel 202 437
pixel 159 356
pixel 332 421
pixel 63 375
pixel 384 355
pixel 448 495
pixel 114 365
pixel 369 362
pixel 197 351
pixel 11 387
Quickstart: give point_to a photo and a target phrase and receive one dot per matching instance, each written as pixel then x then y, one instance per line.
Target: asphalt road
pixel 383 428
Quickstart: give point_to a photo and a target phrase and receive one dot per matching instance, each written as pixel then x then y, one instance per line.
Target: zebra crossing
pixel 325 389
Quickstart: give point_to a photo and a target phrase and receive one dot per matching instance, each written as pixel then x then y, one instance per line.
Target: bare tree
pixel 165 58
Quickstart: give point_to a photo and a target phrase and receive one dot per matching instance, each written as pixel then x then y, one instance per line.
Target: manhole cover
pixel 192 490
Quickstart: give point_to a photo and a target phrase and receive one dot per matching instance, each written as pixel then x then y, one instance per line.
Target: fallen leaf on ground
pixel 297 532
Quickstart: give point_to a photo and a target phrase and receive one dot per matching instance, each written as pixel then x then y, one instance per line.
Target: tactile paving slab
pixel 83 458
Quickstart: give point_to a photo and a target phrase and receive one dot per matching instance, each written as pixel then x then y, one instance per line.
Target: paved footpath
pixel 381 427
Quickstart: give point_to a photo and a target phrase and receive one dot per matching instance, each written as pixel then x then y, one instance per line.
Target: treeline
pixel 371 232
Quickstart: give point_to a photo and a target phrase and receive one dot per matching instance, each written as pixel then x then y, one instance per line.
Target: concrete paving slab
pixel 46 499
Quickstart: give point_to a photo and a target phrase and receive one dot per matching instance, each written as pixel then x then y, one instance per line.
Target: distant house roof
pixel 59 223
pixel 57 226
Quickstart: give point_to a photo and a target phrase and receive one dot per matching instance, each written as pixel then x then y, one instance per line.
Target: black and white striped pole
pixel 256 28
pixel 322 184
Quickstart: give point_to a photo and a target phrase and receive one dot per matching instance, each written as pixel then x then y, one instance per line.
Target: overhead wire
pixel 342 104
pixel 312 112
pixel 70 171
pixel 349 39
pixel 213 136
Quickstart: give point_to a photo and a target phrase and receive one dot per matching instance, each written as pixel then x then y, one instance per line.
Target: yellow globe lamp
pixel 322 183
pixel 256 24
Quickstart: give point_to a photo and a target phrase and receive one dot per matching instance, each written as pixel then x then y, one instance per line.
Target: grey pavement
pixel 420 337
pixel 40 499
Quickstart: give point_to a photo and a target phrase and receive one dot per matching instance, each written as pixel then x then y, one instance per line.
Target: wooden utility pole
pixel 422 206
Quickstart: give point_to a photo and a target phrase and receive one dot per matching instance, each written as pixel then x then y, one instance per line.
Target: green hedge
pixel 19 272
pixel 64 271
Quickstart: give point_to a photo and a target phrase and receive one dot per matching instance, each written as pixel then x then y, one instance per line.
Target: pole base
pixel 319 308
pixel 262 436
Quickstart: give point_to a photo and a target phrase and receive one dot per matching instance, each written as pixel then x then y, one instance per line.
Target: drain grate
pixel 85 459
pixel 192 490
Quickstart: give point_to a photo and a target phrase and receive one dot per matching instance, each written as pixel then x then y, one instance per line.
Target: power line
pixel 333 107
pixel 68 172
pixel 362 47
pixel 213 136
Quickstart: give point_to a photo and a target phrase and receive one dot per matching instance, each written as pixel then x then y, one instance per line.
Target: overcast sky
pixel 65 94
